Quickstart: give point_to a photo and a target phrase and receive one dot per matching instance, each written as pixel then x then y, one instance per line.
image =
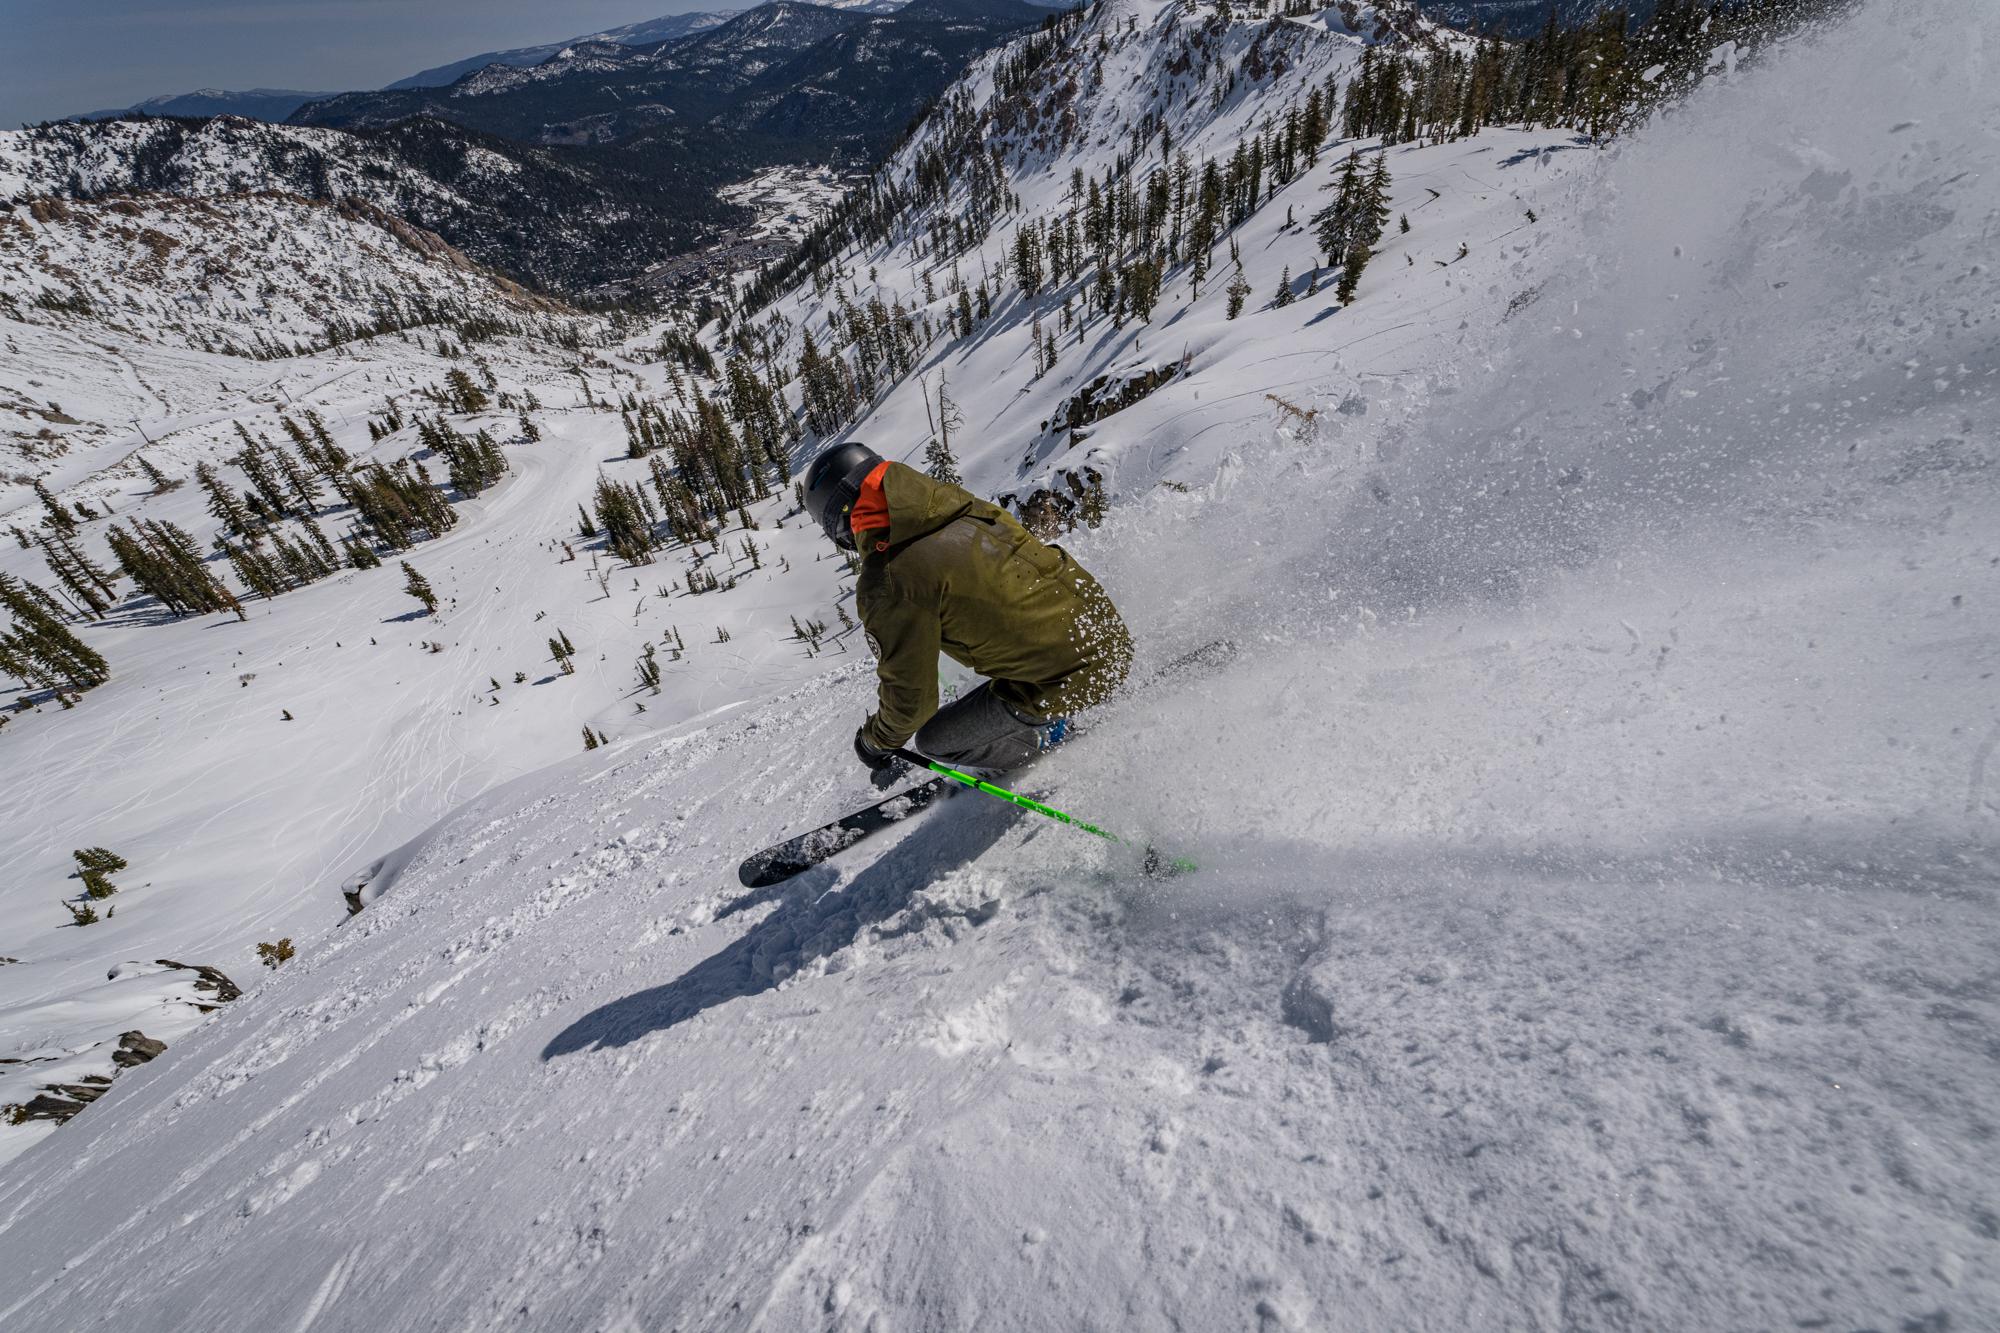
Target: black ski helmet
pixel 833 484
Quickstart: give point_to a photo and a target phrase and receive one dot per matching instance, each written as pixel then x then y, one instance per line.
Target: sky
pixel 63 57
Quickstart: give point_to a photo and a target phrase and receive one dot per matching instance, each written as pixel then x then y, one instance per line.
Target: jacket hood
pixel 919 504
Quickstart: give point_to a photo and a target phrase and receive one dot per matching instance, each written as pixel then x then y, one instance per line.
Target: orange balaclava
pixel 870 513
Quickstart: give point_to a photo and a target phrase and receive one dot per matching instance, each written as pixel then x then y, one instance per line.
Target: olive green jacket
pixel 958 575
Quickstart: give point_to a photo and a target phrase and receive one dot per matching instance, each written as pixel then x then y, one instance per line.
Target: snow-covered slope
pixel 1597 912
pixel 243 824
pixel 1160 64
pixel 99 295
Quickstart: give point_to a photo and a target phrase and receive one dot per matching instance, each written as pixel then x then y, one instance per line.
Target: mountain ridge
pixel 533 213
pixel 268 104
pixel 601 93
pixel 276 104
pixel 557 181
pixel 644 33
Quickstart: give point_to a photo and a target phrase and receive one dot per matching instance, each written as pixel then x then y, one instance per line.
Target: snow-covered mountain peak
pixel 854 6
pixel 578 58
pixel 1378 21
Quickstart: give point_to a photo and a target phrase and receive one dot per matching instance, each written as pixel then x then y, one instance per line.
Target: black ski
pixel 776 864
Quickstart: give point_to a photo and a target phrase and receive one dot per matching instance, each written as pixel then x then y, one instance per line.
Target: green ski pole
pixel 1156 862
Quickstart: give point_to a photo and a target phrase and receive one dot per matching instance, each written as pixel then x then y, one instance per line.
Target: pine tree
pixel 1374 203
pixel 256 465
pixel 224 504
pixel 939 463
pixel 360 552
pixel 38 649
pixel 86 584
pixel 304 487
pixel 164 561
pixel 58 515
pixel 1028 269
pixel 416 586
pixel 323 436
pixel 623 512
pixel 1140 286
pixel 1238 292
pixel 467 396
pixel 95 867
pixel 1284 295
pixel 1358 256
pixel 253 569
pixel 1334 226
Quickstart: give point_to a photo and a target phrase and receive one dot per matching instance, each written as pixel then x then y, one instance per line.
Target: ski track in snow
pixel 1597 916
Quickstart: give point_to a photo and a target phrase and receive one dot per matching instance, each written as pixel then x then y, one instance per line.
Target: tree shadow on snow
pixel 811 922
pixel 1544 152
pixel 138 612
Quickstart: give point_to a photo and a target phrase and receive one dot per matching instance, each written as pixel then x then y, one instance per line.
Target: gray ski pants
pixel 979 734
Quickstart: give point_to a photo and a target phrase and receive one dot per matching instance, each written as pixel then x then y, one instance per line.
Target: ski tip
pixel 1159 865
pixel 763 872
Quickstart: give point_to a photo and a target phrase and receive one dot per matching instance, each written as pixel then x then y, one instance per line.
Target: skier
pixel 944 570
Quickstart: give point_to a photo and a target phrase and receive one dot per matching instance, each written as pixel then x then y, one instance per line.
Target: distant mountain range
pixel 1516 18
pixel 576 172
pixel 648 33
pixel 276 104
pixel 273 104
pixel 806 81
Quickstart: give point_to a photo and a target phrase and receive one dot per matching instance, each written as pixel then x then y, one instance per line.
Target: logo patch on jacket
pixel 874 644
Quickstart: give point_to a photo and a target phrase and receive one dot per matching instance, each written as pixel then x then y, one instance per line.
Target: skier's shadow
pixel 811 922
